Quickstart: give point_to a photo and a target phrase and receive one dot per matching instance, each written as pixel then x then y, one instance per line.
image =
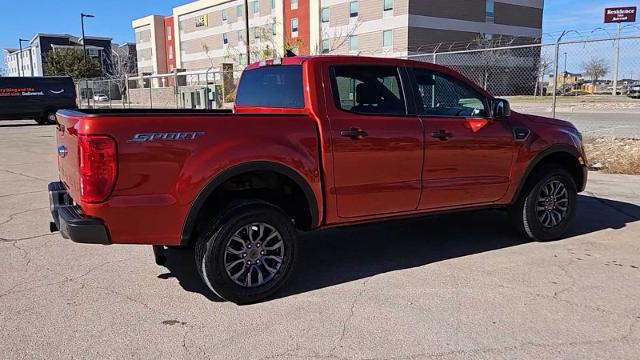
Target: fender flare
pixel 555 149
pixel 220 178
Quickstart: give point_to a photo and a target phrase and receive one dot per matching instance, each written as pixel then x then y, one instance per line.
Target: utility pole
pixel 246 24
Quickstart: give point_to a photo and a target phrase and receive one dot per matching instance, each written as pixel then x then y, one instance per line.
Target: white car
pixel 100 97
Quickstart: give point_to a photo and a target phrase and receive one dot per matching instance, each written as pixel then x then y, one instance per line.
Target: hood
pixel 545 120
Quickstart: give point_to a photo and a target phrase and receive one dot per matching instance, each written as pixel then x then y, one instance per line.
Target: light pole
pixel 84 52
pixel 246 34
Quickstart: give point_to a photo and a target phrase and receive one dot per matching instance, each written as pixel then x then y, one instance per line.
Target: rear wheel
pixel 546 208
pixel 248 251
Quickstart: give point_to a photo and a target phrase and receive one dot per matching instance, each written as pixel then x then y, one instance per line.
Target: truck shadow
pixel 334 256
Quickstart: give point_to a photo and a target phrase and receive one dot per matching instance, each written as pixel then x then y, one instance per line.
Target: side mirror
pixel 500 108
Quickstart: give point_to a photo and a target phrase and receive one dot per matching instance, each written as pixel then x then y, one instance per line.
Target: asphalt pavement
pixel 459 286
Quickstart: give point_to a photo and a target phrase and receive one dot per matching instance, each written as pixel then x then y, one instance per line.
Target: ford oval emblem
pixel 62 151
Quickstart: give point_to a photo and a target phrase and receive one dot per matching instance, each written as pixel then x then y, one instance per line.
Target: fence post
pixel 87 93
pixel 175 87
pixel 126 89
pixel 109 85
pixel 150 92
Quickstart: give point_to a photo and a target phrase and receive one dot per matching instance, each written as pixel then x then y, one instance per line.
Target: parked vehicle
pixel 35 98
pixel 313 142
pixel 100 97
pixel 634 92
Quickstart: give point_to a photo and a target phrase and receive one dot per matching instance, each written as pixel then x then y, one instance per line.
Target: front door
pixel 377 146
pixel 468 155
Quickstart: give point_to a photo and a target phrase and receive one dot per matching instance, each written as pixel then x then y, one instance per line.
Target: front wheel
pixel 547 206
pixel 248 251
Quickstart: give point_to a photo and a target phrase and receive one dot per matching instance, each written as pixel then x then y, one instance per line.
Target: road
pixel 444 287
pixel 623 125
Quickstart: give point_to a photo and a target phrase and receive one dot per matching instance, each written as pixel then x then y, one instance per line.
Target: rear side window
pixel 368 89
pixel 271 86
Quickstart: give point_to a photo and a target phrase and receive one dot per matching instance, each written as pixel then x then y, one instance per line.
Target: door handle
pixel 442 134
pixel 354 133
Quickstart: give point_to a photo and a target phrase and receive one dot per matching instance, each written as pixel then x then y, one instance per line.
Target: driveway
pixel 445 287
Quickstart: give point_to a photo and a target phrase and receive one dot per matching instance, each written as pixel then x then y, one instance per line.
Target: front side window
pixel 325 15
pixel 368 89
pixel 272 86
pixel 442 95
pixel 353 9
pixel 388 5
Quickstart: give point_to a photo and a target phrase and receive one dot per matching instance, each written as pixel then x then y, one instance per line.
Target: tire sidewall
pixel 533 227
pixel 212 263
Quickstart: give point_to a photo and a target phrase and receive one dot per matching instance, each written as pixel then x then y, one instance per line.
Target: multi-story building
pixel 209 32
pixel 30 61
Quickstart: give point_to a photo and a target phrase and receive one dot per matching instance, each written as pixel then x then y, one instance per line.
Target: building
pixel 30 61
pixel 209 32
pixel 125 57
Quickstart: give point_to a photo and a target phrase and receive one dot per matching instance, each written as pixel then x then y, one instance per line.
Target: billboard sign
pixel 620 14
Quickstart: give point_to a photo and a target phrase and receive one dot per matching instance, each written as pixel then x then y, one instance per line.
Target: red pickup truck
pixel 313 142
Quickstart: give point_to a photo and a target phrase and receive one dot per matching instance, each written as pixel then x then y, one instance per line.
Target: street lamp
pixel 246 32
pixel 20 70
pixel 84 47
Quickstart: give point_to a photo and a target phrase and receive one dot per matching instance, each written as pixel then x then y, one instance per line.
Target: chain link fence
pixel 205 89
pixel 585 75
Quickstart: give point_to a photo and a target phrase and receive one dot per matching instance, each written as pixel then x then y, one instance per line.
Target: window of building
pixel 169 32
pixel 239 11
pixel 441 95
pixel 224 15
pixel 325 46
pixel 273 4
pixel 274 29
pixel 225 38
pixel 325 15
pixel 368 89
pixel 353 8
pixel 242 59
pixel 294 4
pixel 294 27
pixel 388 5
pixel 170 52
pixel 240 35
pixel 256 7
pixel 387 38
pixel 353 43
pixel 256 32
pixel 490 11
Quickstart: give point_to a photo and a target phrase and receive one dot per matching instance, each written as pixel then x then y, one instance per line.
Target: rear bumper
pixel 69 220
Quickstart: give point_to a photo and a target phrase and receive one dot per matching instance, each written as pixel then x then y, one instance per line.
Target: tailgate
pixel 68 154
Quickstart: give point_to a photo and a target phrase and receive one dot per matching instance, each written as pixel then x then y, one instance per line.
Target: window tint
pixel 368 89
pixel 271 86
pixel 441 95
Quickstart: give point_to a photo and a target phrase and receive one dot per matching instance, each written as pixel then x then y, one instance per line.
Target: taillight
pixel 98 167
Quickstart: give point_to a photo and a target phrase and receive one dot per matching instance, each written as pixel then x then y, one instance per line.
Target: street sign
pixel 620 14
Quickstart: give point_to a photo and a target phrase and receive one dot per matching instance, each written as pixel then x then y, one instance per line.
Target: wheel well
pixel 270 186
pixel 564 160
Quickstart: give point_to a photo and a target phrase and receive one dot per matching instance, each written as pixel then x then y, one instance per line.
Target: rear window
pixel 271 86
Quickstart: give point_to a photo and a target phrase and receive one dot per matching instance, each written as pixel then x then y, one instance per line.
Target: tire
pixel 528 212
pixel 228 240
pixel 47 119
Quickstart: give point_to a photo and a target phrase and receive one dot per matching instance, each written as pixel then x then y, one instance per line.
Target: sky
pixel 113 18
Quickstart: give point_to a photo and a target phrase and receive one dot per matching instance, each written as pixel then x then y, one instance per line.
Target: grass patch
pixel 613 155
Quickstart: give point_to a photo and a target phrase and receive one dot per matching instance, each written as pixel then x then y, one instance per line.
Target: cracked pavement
pixel 458 286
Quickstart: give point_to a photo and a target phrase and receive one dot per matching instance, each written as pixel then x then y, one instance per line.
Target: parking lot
pixel 445 287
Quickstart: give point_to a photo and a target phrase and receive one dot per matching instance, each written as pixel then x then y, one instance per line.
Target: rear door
pixel 468 154
pixel 377 146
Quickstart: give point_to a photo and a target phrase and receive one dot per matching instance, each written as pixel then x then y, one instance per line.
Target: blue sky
pixel 113 17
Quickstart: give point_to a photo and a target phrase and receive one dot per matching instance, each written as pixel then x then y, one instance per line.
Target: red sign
pixel 619 15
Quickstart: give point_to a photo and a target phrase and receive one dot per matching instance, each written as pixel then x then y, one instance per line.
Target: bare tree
pixel 337 37
pixel 119 68
pixel 595 68
pixel 544 65
pixel 263 44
